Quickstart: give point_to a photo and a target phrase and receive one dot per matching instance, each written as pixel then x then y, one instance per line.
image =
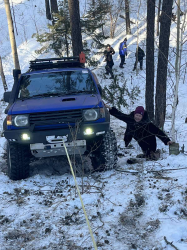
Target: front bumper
pixel 46 150
pixel 72 134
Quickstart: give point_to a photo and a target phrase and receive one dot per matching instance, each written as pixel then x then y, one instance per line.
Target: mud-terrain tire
pixel 18 159
pixel 105 157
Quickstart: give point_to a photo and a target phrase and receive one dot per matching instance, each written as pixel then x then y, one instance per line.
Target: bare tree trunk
pixel 67 47
pixel 158 17
pixel 75 26
pixel 47 10
pixel 11 35
pixel 3 75
pixel 111 26
pixel 149 94
pixel 138 14
pixel 177 67
pixel 114 19
pixel 103 33
pixel 160 99
pixel 54 6
pixel 127 15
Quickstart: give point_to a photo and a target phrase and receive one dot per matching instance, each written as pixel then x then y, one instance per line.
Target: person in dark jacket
pixel 142 130
pixel 123 52
pixel 140 56
pixel 109 61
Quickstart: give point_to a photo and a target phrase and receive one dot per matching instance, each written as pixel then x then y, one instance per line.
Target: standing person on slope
pixel 123 52
pixel 139 55
pixel 142 130
pixel 109 61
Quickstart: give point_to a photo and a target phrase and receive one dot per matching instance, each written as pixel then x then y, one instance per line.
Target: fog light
pixel 25 137
pixel 89 131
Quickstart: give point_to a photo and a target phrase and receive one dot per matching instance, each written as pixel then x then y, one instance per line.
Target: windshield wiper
pixel 42 95
pixel 80 91
pixel 57 94
pixel 47 94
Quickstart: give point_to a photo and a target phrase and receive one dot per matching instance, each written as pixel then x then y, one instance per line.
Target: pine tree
pixel 58 38
pixel 92 24
pixel 116 93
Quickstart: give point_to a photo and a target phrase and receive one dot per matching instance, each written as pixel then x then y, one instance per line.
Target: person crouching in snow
pixel 142 130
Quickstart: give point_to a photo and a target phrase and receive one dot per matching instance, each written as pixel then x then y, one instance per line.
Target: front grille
pixel 57 117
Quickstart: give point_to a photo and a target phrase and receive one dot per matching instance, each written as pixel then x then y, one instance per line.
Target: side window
pixel 97 82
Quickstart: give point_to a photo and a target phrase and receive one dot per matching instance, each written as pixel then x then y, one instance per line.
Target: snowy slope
pixel 133 207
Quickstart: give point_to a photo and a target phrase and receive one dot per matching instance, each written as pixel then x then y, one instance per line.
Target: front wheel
pixel 18 159
pixel 105 155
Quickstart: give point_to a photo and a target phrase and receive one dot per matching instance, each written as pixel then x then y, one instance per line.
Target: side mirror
pixel 7 96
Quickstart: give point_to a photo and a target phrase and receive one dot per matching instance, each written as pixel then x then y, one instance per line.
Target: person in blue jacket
pixel 123 52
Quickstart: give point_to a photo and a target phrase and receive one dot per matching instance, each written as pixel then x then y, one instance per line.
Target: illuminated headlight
pixel 21 120
pixel 25 137
pixel 88 131
pixel 91 114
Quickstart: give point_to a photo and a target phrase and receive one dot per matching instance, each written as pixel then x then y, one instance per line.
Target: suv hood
pixel 47 104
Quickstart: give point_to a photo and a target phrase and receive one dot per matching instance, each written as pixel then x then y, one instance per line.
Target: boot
pixel 112 77
pixel 154 156
pixel 132 161
pixel 121 66
pixel 141 156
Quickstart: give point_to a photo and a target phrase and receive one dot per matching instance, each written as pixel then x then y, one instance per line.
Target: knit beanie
pixel 139 110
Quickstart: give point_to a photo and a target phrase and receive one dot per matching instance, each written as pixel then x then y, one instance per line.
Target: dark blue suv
pixel 57 100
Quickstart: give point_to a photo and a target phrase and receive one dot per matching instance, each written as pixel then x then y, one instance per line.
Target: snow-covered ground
pixel 141 206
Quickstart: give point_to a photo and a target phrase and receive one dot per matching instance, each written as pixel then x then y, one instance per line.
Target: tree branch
pixel 170 243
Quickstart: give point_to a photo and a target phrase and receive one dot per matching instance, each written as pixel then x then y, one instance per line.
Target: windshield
pixel 56 83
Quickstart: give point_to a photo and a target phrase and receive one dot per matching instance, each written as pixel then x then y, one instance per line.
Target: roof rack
pixel 50 63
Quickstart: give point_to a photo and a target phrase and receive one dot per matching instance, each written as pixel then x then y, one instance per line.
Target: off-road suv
pixel 57 100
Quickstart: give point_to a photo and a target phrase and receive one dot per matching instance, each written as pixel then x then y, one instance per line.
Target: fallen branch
pixel 113 202
pixel 170 243
pixel 149 171
pixel 165 170
pixel 127 171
